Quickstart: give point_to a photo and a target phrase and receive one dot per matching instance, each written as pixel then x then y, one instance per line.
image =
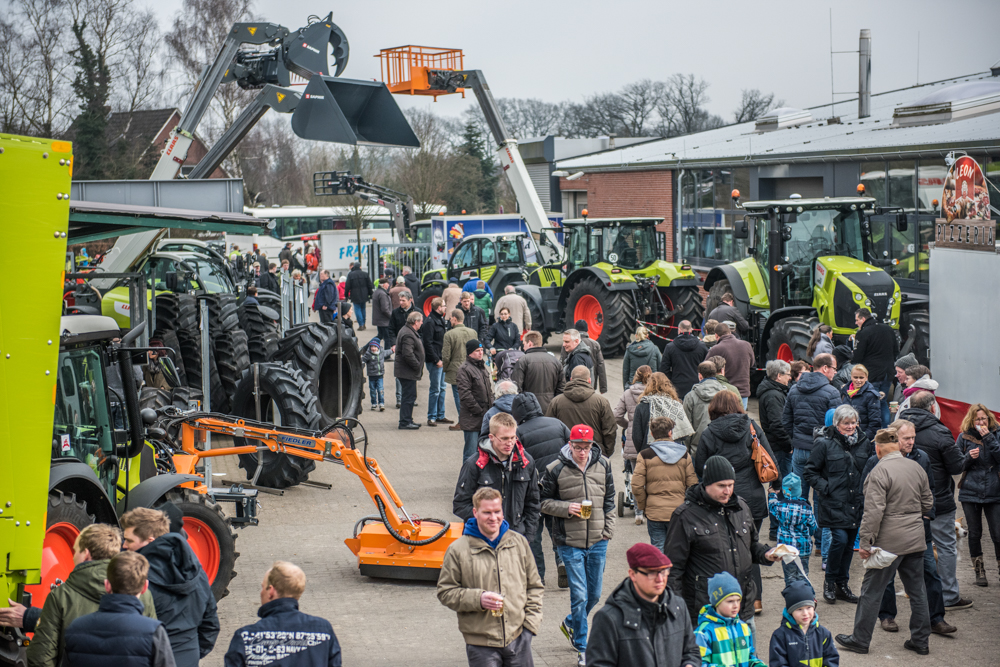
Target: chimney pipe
pixel 865 74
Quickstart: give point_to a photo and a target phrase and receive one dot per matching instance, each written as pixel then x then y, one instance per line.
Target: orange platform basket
pixel 404 68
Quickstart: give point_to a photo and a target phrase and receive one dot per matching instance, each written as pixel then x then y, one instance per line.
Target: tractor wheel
pixel 190 343
pixel 223 313
pixel 610 316
pixel 789 339
pixel 262 333
pixel 210 534
pixel 66 517
pixel 715 295
pixel 157 399
pixel 425 298
pixel 688 301
pixel 537 320
pixel 270 299
pixel 313 349
pixel 232 358
pixel 185 398
pixel 286 399
pixel 176 311
pixel 915 327
pixel 169 339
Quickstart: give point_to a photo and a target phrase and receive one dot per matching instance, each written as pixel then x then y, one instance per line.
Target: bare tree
pixel 754 104
pixel 429 173
pixel 598 115
pixel 682 106
pixel 637 105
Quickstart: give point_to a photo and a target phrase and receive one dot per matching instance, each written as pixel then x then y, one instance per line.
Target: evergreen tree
pixel 92 87
pixel 474 146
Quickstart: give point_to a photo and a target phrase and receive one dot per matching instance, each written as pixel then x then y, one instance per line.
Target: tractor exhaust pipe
pixel 865 74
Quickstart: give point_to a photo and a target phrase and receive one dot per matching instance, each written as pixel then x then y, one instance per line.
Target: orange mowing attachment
pixel 404 68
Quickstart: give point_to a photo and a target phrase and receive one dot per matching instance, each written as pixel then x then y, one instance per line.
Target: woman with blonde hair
pixel 659 399
pixel 864 397
pixel 640 352
pixel 979 490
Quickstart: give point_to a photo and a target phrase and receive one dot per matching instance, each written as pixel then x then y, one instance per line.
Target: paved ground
pixel 381 622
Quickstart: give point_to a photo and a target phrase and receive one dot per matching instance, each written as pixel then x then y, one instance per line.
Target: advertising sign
pixel 965 196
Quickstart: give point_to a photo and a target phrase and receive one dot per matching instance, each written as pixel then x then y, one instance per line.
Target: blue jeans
pixel 359 314
pixel 376 391
pixel 544 526
pixel 800 457
pixel 471 442
pixel 838 560
pixel 399 392
pixel 435 399
pixel 884 386
pixel 792 571
pixel 585 571
pixel 744 399
pixel 657 532
pixel 458 403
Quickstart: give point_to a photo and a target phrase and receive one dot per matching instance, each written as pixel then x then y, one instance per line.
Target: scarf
pixel 852 390
pixel 661 405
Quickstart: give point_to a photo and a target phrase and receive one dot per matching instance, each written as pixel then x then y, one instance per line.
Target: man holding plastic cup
pixel 489 577
pixel 578 489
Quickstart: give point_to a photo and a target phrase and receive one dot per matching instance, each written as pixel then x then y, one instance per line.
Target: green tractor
pixel 809 262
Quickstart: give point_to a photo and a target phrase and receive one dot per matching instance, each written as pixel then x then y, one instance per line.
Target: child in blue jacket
pixel 800 639
pixel 374 361
pixel 796 523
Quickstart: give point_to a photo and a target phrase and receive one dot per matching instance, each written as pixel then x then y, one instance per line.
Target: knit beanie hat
pixel 717 469
pixel 581 326
pixel 906 361
pixel 798 594
pixel 471 346
pixel 791 486
pixel 721 586
pixel 828 420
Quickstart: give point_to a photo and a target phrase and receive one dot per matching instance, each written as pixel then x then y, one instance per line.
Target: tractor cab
pixel 631 244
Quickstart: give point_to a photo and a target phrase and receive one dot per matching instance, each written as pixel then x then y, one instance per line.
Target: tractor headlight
pixel 892 323
pixel 896 295
pixel 858 297
pixel 892 302
pixel 868 302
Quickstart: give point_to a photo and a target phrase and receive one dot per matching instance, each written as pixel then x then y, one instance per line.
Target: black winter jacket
pixel 639 353
pixel 539 372
pixel 542 437
pixel 629 630
pixel 516 482
pixel 790 647
pixel 432 332
pixel 869 407
pixel 117 634
pixel 806 406
pixel 729 437
pixel 503 336
pixel 183 598
pixel 705 538
pixel 946 458
pixel 980 480
pixel 285 636
pixel 835 470
pixel 771 397
pixel 477 320
pixel 396 322
pixel 876 347
pixel 409 355
pixel 580 357
pixel 680 362
pixel 358 286
pixel 475 395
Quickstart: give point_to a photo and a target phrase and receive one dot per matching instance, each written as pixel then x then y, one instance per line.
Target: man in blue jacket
pixel 805 409
pixel 284 635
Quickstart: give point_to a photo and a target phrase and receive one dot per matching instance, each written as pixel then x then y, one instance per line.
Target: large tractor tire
pixel 65 518
pixel 176 311
pixel 190 343
pixel 262 333
pixel 915 328
pixel 156 399
pixel 789 339
pixel 210 535
pixel 270 299
pixel 425 298
pixel 537 320
pixel 286 399
pixel 610 316
pixel 169 339
pixel 223 313
pixel 687 302
pixel 313 349
pixel 232 358
pixel 715 295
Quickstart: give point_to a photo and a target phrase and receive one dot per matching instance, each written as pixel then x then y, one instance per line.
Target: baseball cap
pixel 581 432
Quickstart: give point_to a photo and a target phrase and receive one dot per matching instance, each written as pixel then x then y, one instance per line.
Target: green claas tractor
pixel 809 262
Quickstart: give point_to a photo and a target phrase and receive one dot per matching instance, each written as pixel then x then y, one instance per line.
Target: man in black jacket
pixel 542 438
pixel 576 353
pixel 475 317
pixel 643 622
pixel 358 289
pixel 876 348
pixel 712 532
pixel 411 280
pixel 599 373
pixel 728 312
pixel 538 371
pixel 432 334
pixel 771 395
pixel 396 322
pixel 947 460
pixel 502 464
pixel 681 357
pixel 180 588
pixel 284 635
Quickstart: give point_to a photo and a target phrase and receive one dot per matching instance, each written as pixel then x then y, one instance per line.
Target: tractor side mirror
pixel 741 229
pixel 902 223
pixel 171 280
pixel 169 371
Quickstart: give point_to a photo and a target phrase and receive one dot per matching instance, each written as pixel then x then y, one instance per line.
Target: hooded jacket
pixel 639 353
pixel 625 413
pixel 876 346
pixel 502 404
pixel 790 647
pixel 471 566
pixel 358 286
pixel 539 372
pixel 946 458
pixel 663 473
pixel 696 407
pixel 285 636
pixel 680 362
pixel 183 598
pixel 475 395
pixel 835 472
pixel 729 437
pixel 503 336
pixel 118 635
pixel 375 361
pixel 564 483
pixel 925 383
pixel 806 406
pixel 705 538
pixel 515 479
pixel 432 333
pixel 476 319
pixel 629 630
pixel 580 356
pixel 869 406
pixel 580 404
pixel 771 397
pixel 483 299
pixel 542 437
pixel 658 405
pixel 409 354
pixel 724 641
pixel 78 596
pixel 980 481
pixel 740 360
pixel 453 350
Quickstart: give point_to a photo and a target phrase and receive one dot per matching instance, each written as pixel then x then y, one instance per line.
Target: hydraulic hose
pixel 399 538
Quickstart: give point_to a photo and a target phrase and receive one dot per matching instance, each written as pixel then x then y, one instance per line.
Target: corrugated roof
pixel 852 139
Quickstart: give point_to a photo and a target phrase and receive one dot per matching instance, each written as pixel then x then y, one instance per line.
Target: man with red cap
pixel 643 622
pixel 578 490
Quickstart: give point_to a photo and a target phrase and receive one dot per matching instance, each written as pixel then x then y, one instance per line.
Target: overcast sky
pixel 559 50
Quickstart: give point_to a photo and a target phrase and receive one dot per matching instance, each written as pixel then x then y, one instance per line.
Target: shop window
pixel 901 182
pixel 931 175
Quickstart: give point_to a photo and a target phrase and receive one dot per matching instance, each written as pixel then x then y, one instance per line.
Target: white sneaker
pixel 639 518
pixel 581 660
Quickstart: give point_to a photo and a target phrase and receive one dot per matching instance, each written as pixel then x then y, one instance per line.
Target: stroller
pixel 625 497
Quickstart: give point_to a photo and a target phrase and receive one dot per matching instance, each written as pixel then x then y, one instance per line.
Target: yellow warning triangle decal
pixel 252 31
pixel 281 96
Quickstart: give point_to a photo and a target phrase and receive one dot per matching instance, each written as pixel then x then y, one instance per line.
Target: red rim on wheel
pixel 57 559
pixel 205 545
pixel 785 353
pixel 427 306
pixel 588 309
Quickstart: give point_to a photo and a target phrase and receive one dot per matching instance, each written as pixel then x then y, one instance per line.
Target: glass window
pixel 81 426
pixel 723 179
pixel 466 255
pixel 488 252
pixel 578 254
pixel 212 278
pixel 741 182
pixel 705 190
pixel 634 246
pixel 902 185
pixel 925 230
pixel 689 243
pixel 991 170
pixel 873 178
pixel 509 251
pixel 930 185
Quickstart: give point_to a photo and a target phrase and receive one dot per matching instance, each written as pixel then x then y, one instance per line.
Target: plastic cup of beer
pixel 585 509
pixel 893 406
pixel 498 612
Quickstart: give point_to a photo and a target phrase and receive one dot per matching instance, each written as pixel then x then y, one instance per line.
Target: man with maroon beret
pixel 643 622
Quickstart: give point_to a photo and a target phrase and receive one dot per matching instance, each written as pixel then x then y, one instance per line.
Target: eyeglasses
pixel 512 438
pixel 655 574
pixel 581 448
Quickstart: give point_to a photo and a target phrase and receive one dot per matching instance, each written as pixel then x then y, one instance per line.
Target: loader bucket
pixel 349 111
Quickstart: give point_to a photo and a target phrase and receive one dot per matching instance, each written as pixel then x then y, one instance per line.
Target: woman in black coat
pixel 834 471
pixel 503 334
pixel 979 490
pixel 864 397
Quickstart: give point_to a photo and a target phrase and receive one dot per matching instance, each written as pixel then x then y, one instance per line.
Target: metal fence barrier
pixel 394 256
